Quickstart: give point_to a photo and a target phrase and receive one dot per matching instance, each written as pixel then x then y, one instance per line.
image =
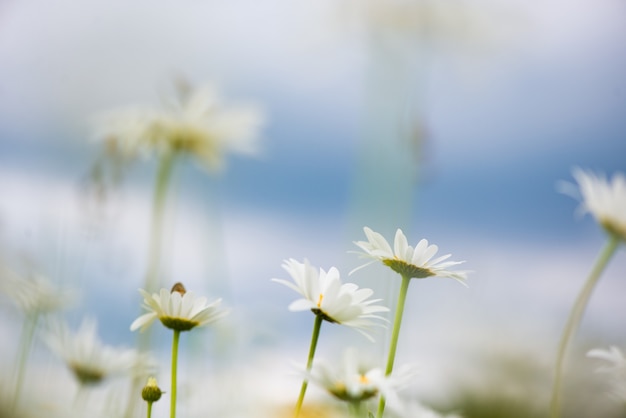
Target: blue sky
pixel 500 113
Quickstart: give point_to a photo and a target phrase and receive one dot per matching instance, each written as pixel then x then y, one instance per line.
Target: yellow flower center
pixel 319 300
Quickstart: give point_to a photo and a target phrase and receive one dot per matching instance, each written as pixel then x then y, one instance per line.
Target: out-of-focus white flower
pixel 325 295
pixel 605 200
pixel 615 369
pixel 355 381
pixel 89 359
pixel 35 294
pixel 178 309
pixel 411 262
pixel 198 125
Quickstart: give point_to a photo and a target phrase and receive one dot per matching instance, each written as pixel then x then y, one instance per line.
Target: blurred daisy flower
pixel 198 124
pixel 35 294
pixel 355 381
pixel 324 294
pixel 605 200
pixel 615 369
pixel 89 359
pixel 409 262
pixel 177 309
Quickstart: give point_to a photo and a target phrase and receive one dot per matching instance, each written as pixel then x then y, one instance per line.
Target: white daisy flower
pixel 197 125
pixel 356 381
pixel 615 369
pixel 88 358
pixel 325 295
pixel 411 262
pixel 177 309
pixel 35 294
pixel 604 200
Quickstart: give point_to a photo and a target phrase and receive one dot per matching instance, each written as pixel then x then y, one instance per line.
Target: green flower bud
pixel 151 392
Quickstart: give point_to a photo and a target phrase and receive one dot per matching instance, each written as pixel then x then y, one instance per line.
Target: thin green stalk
pixel 314 337
pixel 149 409
pixel 356 409
pixel 174 370
pixel 397 322
pixel 159 197
pixel 26 342
pixel 574 318
pixel 81 400
pixel 164 175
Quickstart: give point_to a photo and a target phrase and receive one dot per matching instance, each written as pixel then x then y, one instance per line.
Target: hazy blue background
pixel 456 129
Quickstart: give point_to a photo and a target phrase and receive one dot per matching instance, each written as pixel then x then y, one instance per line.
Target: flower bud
pixel 178 287
pixel 151 392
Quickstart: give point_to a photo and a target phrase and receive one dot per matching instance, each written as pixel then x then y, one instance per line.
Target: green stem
pixel 26 342
pixel 149 409
pixel 314 337
pixel 397 322
pixel 81 400
pixel 151 283
pixel 574 318
pixel 156 230
pixel 174 369
pixel 356 409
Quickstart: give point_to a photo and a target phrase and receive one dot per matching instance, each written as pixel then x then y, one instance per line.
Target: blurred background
pixel 454 121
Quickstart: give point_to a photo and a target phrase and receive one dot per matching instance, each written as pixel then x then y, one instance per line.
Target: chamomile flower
pixel 198 125
pixel 88 358
pixel 417 263
pixel 326 296
pixel 615 370
pixel 605 200
pixel 177 309
pixel 35 294
pixel 356 381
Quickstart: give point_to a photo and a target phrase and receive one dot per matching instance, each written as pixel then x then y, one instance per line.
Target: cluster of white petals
pixel 412 262
pixel 89 359
pixel 177 311
pixel 35 294
pixel 324 294
pixel 355 381
pixel 605 200
pixel 615 369
pixel 198 125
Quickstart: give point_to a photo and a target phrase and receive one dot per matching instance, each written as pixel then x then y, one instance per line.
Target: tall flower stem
pixel 314 337
pixel 574 318
pixel 156 230
pixel 159 197
pixel 397 322
pixel 26 341
pixel 356 409
pixel 174 371
pixel 149 410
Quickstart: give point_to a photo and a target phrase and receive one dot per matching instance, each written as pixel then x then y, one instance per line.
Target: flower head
pixel 615 369
pixel 151 392
pixel 35 294
pixel 197 125
pixel 88 358
pixel 411 262
pixel 604 200
pixel 177 309
pixel 325 295
pixel 356 381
